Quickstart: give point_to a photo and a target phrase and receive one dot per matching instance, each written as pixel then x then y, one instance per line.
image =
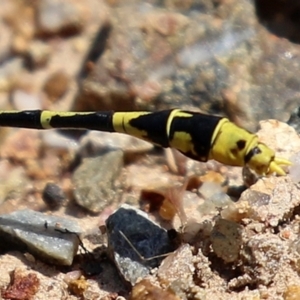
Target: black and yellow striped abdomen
pixel 198 136
pixel 44 119
pixel 189 132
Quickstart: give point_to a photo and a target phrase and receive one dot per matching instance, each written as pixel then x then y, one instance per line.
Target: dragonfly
pixel 199 136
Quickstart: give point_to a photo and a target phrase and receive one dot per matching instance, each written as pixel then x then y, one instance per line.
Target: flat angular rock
pixel 145 236
pixel 37 233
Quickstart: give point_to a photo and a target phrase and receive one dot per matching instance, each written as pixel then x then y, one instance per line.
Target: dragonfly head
pixel 262 160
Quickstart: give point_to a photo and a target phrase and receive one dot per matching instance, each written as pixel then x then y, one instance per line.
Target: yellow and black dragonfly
pixel 198 136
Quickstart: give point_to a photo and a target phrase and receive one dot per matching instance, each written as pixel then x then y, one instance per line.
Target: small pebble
pixel 57 17
pixel 145 290
pixel 53 196
pixel 23 285
pixel 166 23
pixel 294 170
pixel 38 55
pixel 226 239
pixel 23 100
pixel 94 180
pixel 214 196
pixel 56 139
pixel 57 85
pixel 95 142
pixel 179 265
pixel 9 70
pixel 294 120
pixel 292 292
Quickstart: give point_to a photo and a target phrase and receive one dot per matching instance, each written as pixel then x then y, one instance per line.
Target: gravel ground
pixel 237 237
